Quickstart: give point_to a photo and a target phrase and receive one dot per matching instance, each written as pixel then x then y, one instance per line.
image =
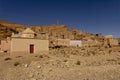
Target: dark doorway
pixel 31 48
pixel 63 37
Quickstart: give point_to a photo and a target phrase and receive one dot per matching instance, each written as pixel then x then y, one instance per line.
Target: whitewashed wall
pixel 77 43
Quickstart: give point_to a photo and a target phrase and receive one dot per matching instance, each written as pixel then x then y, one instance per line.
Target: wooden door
pixel 31 48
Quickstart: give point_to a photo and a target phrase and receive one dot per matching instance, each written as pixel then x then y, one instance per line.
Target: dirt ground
pixel 90 63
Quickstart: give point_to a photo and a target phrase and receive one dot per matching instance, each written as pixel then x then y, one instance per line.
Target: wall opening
pixel 31 48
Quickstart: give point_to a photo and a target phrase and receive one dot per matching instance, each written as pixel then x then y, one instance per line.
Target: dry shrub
pixel 44 56
pixel 35 56
pixel 41 56
pixel 110 51
pixel 106 47
pixel 93 53
pixel 83 49
pixel 118 63
pixel 8 58
pixel 16 63
pixel 65 60
pixel 18 56
pixel 78 63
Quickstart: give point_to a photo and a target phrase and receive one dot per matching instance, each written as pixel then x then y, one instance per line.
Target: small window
pixel 97 35
pixel 5 51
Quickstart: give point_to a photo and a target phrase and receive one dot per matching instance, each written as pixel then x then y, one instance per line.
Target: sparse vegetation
pixel 82 64
pixel 65 60
pixel 110 51
pixel 41 56
pixel 16 63
pixel 78 63
pixel 36 56
pixel 18 56
pixel 8 58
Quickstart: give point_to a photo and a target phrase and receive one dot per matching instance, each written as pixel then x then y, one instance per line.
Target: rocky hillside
pixel 6 31
pixel 54 31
